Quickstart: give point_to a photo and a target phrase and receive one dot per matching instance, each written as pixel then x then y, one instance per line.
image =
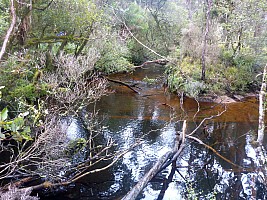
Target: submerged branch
pixel 207 118
pixel 122 83
pixel 212 149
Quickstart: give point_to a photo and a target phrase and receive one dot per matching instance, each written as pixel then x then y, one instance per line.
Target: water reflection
pixel 200 173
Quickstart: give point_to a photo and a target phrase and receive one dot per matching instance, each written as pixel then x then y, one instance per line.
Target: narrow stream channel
pixel 155 115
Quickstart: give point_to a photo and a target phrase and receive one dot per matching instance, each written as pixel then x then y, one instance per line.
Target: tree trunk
pixel 203 57
pixel 25 15
pixel 9 31
pixel 262 106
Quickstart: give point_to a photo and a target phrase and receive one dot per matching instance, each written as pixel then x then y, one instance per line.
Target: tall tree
pixel 208 6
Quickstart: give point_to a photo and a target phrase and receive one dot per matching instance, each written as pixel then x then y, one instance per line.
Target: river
pixel 155 116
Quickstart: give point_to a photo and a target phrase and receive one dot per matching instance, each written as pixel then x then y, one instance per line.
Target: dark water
pixel 155 116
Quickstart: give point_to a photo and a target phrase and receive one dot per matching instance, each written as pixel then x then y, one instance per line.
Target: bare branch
pixel 212 149
pixel 207 118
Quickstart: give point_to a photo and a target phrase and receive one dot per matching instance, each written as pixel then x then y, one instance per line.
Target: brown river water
pixel 156 115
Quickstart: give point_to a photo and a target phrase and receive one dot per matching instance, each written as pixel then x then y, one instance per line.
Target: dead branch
pixel 122 83
pixel 207 118
pixel 180 142
pixel 9 31
pixel 77 177
pixel 159 62
pixel 212 149
pixel 17 194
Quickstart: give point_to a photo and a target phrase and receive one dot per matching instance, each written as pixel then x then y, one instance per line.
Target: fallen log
pixel 178 147
pixel 122 83
pixel 134 192
pixel 158 61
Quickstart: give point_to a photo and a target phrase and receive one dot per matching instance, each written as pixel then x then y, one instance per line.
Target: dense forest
pixel 56 56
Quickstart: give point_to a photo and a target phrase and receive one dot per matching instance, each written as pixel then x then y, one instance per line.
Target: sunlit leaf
pixel 4 114
pixel 2 136
pixel 17 124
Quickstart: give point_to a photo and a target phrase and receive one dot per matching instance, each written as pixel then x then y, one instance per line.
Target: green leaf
pixel 26 137
pixel 2 136
pixel 16 136
pixel 25 133
pixel 17 124
pixel 27 130
pixel 4 115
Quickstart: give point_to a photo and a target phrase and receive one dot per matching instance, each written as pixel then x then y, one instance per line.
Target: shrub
pixel 17 194
pixel 194 88
pixel 20 77
pixel 114 57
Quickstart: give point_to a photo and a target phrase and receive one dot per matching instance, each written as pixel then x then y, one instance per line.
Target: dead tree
pixel 262 107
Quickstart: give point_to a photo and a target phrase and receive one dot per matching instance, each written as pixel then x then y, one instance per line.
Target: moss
pixel 30 91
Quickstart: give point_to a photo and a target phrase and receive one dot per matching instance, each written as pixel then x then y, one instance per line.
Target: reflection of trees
pixel 208 174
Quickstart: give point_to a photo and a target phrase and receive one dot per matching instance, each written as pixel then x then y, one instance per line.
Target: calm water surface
pixel 155 116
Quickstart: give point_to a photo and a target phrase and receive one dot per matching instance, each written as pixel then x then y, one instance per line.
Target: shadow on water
pixel 155 115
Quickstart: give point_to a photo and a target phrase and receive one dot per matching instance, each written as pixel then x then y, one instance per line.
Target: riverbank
pixel 226 99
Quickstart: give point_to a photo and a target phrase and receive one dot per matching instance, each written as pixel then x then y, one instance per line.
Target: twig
pixel 198 108
pixel 207 118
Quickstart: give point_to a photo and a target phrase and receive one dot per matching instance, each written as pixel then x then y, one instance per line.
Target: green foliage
pixel 194 88
pixel 136 17
pixel 157 27
pixel 175 81
pixel 227 58
pixel 232 74
pixel 15 128
pixel 150 81
pixel 67 16
pixel 31 92
pixel 75 146
pixel 4 17
pixel 20 78
pixel 114 58
pixel 137 52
